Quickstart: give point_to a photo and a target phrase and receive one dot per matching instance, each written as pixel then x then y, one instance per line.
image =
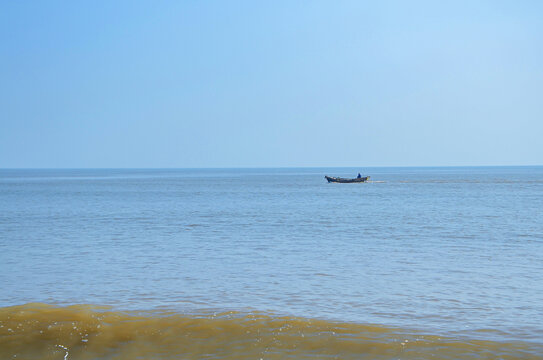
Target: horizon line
pixel 260 167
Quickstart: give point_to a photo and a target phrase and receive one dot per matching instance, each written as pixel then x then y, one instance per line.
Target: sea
pixel 417 263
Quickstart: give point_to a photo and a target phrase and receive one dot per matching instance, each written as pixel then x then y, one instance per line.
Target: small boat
pixel 343 180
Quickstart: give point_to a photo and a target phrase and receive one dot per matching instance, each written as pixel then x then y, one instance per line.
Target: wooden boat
pixel 343 180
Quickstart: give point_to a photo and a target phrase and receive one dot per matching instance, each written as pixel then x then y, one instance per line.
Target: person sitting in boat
pixel 359 176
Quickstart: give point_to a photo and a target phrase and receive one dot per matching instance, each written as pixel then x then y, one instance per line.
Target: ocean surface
pixel 420 263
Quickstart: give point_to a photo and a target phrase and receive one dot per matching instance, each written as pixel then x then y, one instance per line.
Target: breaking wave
pixel 40 331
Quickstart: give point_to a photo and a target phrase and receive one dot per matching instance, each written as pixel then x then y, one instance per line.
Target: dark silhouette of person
pixel 359 176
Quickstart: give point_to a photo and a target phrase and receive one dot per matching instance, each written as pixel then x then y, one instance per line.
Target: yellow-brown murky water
pixel 39 331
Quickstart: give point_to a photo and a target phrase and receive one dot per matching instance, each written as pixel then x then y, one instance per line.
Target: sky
pixel 160 84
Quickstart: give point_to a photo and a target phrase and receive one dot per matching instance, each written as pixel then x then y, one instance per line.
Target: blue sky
pixel 270 83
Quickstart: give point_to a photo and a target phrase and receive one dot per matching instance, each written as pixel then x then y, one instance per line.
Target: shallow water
pixel 38 331
pixel 449 253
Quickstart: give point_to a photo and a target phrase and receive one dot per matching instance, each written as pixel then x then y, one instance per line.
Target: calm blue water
pixel 444 250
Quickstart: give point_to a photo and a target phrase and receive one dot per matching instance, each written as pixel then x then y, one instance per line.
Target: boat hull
pixel 344 180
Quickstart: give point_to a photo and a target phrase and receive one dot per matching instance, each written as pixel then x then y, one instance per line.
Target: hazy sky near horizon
pixel 270 83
